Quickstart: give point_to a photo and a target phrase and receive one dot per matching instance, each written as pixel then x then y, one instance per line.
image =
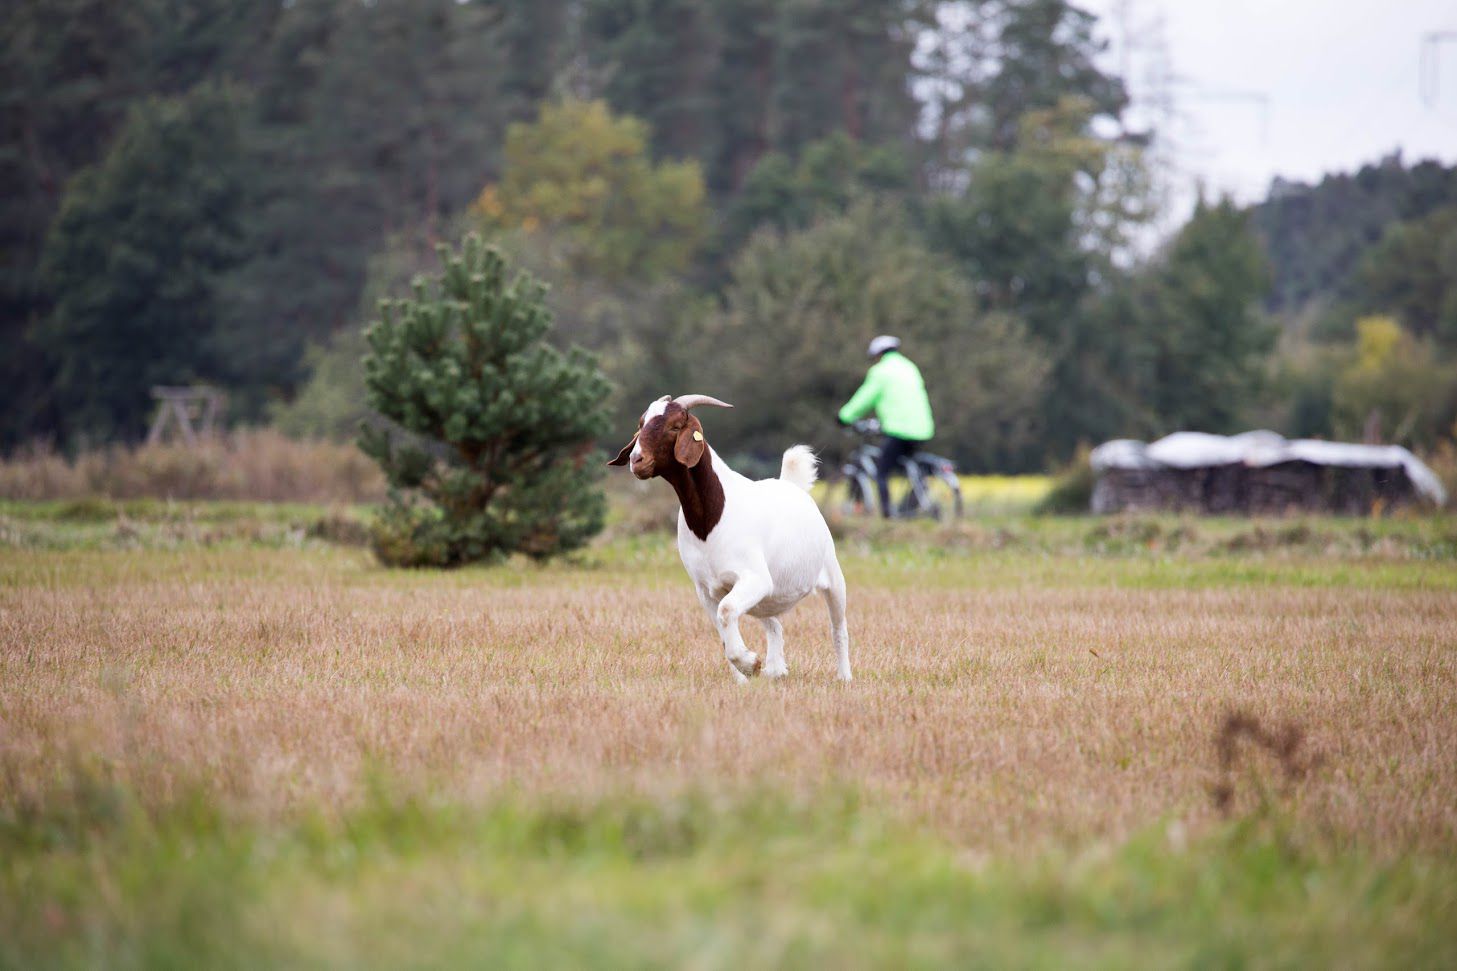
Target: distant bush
pixel 1443 461
pixel 1072 489
pixel 331 404
pixel 257 464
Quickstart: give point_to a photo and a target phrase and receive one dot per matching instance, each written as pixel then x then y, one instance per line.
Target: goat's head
pixel 667 436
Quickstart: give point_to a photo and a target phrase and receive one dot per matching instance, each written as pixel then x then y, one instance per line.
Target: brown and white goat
pixel 750 547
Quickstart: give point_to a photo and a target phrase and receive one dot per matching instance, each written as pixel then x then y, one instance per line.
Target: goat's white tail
pixel 800 466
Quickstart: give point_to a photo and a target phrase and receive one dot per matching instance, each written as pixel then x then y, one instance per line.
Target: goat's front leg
pixel 774 666
pixel 711 605
pixel 748 591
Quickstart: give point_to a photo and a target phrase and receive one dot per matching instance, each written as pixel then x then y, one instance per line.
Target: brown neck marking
pixel 699 493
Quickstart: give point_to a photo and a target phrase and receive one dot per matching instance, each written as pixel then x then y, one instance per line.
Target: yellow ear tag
pixel 698 436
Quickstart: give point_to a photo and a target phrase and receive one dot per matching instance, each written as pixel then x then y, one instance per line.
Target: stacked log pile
pixel 1132 477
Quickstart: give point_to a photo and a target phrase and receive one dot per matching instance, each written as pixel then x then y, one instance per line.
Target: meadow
pixel 228 737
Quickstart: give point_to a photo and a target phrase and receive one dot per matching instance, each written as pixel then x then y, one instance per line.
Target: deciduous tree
pixel 584 176
pixel 801 308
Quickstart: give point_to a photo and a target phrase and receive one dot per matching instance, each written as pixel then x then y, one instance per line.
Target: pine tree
pixel 499 458
pixel 1198 341
pixel 136 259
pixel 385 116
pixel 656 57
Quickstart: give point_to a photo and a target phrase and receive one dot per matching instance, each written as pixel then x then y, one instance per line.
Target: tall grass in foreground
pixel 760 879
pixel 255 464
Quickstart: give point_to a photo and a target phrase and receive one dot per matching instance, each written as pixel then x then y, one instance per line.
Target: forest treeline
pixel 725 196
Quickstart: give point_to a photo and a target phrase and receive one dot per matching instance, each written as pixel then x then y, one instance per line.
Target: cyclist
pixel 894 390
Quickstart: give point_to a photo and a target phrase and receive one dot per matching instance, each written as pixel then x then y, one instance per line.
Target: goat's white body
pixel 770 549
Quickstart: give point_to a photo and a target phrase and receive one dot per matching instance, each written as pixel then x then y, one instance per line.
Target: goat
pixel 755 548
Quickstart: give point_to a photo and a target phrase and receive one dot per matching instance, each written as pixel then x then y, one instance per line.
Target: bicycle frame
pixel 918 468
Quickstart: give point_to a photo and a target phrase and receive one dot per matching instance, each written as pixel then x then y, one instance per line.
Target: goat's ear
pixel 688 449
pixel 623 455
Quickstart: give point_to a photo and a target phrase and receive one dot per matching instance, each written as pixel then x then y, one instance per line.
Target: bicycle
pixel 934 490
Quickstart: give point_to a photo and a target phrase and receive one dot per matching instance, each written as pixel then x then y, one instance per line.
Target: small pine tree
pixel 500 455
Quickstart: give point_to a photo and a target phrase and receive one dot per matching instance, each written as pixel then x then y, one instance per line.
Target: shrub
pixel 491 450
pixel 1072 489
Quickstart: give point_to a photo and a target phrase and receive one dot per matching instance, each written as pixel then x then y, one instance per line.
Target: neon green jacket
pixel 894 390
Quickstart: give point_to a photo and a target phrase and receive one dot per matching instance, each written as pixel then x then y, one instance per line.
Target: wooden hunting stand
pixel 186 405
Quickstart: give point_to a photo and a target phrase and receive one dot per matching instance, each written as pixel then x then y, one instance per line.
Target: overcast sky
pixel 1340 79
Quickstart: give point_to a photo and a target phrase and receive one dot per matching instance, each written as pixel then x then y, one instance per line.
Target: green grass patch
pixel 132 525
pixel 153 524
pixel 105 543
pixel 761 879
pixel 98 510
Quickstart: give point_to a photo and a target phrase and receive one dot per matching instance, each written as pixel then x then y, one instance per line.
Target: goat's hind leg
pixel 774 665
pixel 834 592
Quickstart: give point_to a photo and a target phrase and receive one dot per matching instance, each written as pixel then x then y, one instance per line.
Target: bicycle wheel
pixel 935 496
pixel 945 492
pixel 867 494
pixel 918 500
pixel 857 500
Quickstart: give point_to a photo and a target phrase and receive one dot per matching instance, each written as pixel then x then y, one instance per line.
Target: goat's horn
pixel 690 401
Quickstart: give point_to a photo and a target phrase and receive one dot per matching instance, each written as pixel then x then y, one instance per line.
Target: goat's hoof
pixel 748 664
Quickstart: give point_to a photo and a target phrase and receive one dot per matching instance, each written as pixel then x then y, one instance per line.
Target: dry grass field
pixel 225 740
